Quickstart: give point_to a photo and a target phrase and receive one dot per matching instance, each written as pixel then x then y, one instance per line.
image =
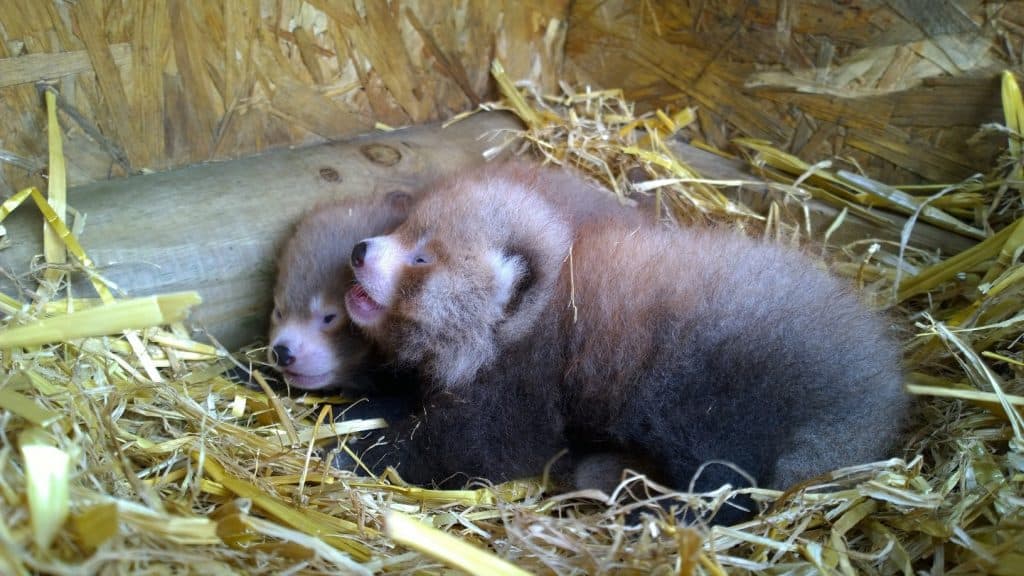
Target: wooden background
pixel 899 86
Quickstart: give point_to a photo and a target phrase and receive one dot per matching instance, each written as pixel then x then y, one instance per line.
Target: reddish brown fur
pixel 677 347
pixel 453 334
pixel 576 199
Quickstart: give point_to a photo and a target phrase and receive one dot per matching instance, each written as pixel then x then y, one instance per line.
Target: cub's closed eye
pixel 329 318
pixel 277 313
pixel 421 260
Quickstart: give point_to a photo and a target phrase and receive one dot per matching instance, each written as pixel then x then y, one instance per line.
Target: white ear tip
pixel 507 271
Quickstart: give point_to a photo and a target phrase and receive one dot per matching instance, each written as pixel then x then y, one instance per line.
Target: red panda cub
pixel 535 331
pixel 312 341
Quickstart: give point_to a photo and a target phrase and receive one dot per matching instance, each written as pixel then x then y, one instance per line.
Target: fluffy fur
pixel 311 338
pixel 536 330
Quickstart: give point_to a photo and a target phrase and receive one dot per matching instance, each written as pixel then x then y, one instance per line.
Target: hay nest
pixel 126 447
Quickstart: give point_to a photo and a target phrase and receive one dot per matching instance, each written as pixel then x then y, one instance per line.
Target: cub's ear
pixel 399 201
pixel 509 272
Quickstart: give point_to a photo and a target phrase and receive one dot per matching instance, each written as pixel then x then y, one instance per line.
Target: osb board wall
pixel 149 85
pixel 898 86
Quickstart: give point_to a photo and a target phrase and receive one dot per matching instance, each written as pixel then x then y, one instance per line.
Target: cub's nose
pixel 359 254
pixel 283 356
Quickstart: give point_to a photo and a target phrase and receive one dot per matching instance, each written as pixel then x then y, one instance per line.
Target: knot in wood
pixel 328 174
pixel 381 154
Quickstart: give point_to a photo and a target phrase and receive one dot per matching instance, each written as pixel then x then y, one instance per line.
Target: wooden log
pixel 216 227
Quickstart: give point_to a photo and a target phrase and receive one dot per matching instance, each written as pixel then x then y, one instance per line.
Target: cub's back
pixel 749 342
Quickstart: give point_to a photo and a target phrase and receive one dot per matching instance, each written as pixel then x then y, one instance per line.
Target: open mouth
pixel 361 307
pixel 308 381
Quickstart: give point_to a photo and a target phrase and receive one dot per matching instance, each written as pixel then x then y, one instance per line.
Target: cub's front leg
pixel 455 438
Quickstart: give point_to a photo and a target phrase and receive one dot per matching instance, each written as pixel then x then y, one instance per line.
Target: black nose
pixel 283 356
pixel 359 254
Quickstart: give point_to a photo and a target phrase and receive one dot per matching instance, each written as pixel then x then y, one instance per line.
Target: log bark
pixel 216 228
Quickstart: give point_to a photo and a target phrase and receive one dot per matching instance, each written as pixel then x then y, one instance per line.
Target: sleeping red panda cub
pixel 532 334
pixel 312 341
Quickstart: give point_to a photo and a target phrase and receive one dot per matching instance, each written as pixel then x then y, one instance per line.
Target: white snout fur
pixel 308 344
pixel 381 267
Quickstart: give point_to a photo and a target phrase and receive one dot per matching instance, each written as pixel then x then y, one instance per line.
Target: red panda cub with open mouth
pixel 534 330
pixel 312 341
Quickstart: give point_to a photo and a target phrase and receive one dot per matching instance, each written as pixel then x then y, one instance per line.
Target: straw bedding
pixel 126 446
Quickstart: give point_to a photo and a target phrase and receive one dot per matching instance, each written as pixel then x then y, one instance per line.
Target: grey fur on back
pixel 746 353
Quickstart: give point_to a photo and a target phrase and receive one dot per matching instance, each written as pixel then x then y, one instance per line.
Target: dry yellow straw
pixel 53 248
pixel 131 314
pixel 1014 114
pixel 46 479
pixel 446 548
pixel 62 230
